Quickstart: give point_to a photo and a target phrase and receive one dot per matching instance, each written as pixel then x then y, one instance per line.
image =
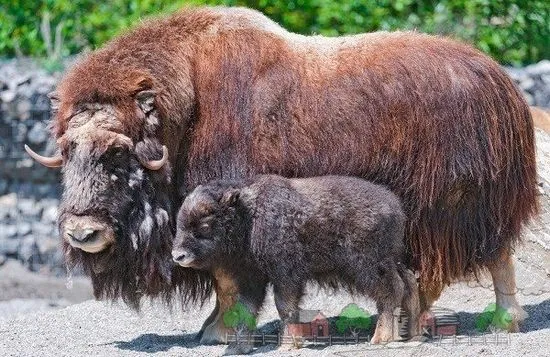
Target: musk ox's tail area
pixel 478 184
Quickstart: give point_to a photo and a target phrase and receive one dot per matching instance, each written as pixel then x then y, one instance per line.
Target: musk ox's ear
pixel 146 100
pixel 54 101
pixel 229 198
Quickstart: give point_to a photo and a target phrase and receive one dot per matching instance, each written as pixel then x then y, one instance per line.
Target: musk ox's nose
pixel 81 235
pixel 91 234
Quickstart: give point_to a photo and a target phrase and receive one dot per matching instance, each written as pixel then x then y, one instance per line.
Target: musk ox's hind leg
pixel 387 288
pixel 504 281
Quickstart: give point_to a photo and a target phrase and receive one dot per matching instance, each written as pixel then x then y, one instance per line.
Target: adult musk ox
pixel 336 230
pixel 229 93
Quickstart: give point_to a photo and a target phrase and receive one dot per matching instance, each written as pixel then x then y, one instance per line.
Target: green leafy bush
pixel 239 317
pixel 495 316
pixel 354 319
pixel 512 31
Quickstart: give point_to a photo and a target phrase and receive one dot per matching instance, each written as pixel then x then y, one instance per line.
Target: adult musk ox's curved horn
pixel 55 161
pixel 157 164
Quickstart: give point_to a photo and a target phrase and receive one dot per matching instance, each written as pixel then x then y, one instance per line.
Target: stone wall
pixel 534 81
pixel 29 192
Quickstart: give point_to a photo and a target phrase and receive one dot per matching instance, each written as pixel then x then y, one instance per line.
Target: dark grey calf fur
pixel 338 231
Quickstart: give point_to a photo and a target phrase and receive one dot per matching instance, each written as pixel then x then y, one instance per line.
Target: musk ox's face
pixel 114 215
pixel 104 171
pixel 205 222
pixel 103 177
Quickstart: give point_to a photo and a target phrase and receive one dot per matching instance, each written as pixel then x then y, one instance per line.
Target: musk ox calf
pixel 335 230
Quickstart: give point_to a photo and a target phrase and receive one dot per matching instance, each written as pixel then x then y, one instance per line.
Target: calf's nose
pixel 179 255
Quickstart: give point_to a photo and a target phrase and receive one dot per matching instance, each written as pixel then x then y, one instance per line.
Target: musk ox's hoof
pixel 214 335
pixel 238 349
pixel 518 316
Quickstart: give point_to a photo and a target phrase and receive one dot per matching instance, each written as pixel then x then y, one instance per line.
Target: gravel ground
pixel 102 329
pixel 23 292
pixel 106 329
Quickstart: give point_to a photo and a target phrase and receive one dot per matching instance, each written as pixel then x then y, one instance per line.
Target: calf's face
pixel 204 223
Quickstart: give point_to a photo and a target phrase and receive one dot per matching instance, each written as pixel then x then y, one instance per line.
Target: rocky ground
pixel 101 329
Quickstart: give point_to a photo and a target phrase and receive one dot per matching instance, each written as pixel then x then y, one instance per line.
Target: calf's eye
pixel 204 228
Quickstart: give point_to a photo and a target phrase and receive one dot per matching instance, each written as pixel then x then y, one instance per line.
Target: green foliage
pixel 495 316
pixel 239 316
pixel 512 31
pixel 353 318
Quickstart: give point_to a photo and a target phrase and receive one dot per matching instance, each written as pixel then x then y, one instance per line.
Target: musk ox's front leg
pixel 210 319
pixel 504 281
pixel 411 301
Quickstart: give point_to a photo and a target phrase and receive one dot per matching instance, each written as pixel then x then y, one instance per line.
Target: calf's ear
pixel 230 197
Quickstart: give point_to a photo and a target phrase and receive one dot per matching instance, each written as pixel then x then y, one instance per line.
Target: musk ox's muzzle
pixel 88 233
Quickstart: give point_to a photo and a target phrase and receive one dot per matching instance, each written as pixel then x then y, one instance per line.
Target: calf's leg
pixel 228 293
pixel 287 301
pixel 215 332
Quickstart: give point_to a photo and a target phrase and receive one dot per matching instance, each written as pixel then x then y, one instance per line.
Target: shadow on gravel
pixel 152 342
pixel 539 318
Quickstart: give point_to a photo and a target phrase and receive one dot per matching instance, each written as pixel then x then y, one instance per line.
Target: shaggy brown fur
pixel 433 119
